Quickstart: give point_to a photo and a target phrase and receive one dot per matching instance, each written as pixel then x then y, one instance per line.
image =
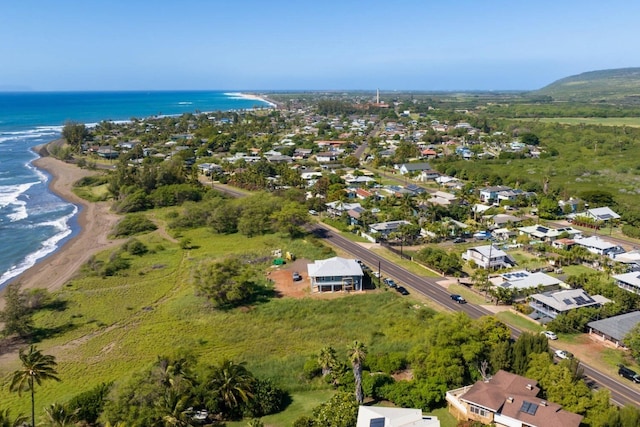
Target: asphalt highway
pixel 622 392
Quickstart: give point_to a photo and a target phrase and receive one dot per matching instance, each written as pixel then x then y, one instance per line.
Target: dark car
pixel 629 374
pixel 459 240
pixel 402 290
pixel 296 276
pixel 458 298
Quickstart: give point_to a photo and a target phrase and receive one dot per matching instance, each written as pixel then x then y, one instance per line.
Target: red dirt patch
pixel 282 277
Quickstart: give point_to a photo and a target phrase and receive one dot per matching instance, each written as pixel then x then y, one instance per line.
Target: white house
pixel 413 167
pixel 596 245
pixel 378 416
pixel 335 274
pixel 628 281
pixel 488 256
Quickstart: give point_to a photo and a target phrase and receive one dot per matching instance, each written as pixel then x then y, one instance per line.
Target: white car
pixel 550 335
pixel 561 354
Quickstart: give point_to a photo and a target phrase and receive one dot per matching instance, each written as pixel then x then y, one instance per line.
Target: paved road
pixel 621 393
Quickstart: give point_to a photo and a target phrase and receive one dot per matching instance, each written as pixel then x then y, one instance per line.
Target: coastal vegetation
pixel 181 322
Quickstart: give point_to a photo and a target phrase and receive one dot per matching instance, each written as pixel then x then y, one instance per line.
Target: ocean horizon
pixel 34 222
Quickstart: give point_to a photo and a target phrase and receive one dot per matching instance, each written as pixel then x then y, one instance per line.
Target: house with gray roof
pixel 596 245
pixel 548 234
pixel 522 280
pixel 615 328
pixel 335 274
pixel 406 168
pixel 508 399
pixel 548 305
pixel 386 228
pixel 628 281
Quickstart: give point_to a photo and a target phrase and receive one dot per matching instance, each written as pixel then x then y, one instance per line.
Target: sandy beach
pixel 96 222
pixel 253 97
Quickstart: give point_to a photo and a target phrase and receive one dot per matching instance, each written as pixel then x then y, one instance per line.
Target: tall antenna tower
pixel 377 96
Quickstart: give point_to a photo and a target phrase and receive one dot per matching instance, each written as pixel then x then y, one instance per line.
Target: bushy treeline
pixel 250 216
pixel 440 260
pixel 137 188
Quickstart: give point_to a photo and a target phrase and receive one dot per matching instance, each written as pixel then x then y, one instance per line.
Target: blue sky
pixel 314 45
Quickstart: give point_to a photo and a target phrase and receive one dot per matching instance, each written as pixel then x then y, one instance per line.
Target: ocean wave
pixel 34 133
pixel 185 103
pixel 19 212
pixel 47 247
pixel 9 193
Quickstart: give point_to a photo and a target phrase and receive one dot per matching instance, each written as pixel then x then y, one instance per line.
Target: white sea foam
pixel 9 193
pixel 185 103
pixel 47 247
pixel 19 211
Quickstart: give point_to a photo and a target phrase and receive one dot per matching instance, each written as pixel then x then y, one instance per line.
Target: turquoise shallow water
pixel 34 222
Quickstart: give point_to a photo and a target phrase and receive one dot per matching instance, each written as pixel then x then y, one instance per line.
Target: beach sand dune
pixel 96 223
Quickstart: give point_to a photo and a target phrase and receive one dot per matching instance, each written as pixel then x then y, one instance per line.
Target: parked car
pixel 390 282
pixel 628 373
pixel 313 212
pixel 296 276
pixel 550 335
pixel 562 354
pixel 375 273
pixel 459 240
pixel 402 290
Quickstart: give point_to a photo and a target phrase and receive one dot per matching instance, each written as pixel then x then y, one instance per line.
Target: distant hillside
pixel 619 86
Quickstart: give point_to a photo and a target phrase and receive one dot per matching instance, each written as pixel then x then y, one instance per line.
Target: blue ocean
pixel 34 222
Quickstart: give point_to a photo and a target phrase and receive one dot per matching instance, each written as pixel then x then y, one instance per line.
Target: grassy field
pixel 112 327
pixel 602 121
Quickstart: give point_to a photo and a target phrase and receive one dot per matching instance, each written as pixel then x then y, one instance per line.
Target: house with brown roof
pixel 508 400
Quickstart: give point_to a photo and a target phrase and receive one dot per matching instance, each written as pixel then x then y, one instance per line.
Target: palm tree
pixel 327 360
pixel 59 416
pixel 5 419
pixel 357 353
pixel 36 367
pixel 233 384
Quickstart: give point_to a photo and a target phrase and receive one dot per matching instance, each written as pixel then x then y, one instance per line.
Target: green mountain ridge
pixel 619 86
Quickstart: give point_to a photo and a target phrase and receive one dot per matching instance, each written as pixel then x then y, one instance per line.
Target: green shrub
pixel 134 224
pixel 135 247
pixel 311 369
pixel 90 403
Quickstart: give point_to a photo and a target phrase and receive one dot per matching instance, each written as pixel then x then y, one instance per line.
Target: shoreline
pixel 252 97
pixel 95 222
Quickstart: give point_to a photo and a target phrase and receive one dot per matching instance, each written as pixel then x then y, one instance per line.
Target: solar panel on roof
pixel 376 422
pixel 567 301
pixel 542 229
pixel 579 300
pixel 606 216
pixel 529 408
